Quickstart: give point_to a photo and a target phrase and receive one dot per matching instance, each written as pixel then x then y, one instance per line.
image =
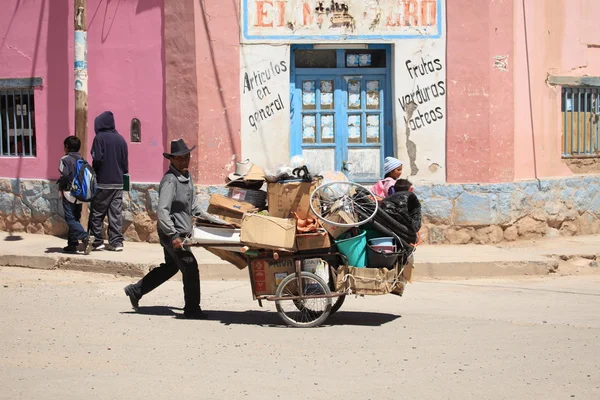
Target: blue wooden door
pixel 338 123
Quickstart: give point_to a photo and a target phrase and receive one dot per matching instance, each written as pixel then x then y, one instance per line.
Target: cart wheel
pixel 338 304
pixel 335 307
pixel 303 313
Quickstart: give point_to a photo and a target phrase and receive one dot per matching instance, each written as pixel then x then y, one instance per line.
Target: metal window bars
pixel 17 130
pixel 580 107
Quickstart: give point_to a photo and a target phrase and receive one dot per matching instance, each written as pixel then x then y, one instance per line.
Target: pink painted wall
pixel 125 65
pixel 218 69
pixel 562 39
pixel 480 97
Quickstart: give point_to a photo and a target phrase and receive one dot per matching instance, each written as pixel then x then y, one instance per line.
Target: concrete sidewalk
pixel 564 255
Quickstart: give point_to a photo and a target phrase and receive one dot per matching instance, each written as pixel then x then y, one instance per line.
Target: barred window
pixel 580 107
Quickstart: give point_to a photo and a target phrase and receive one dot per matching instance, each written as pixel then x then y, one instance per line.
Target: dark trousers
pixel 107 202
pixel 72 218
pixel 175 260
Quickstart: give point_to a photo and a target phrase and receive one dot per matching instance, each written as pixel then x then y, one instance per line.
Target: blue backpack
pixel 84 187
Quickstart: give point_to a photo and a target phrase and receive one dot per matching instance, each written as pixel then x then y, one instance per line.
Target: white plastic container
pixel 215 235
pixel 318 267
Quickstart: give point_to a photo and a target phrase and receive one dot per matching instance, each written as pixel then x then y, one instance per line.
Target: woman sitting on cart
pixel 392 169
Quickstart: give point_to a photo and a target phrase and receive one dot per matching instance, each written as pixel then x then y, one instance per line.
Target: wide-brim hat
pixel 241 169
pixel 178 148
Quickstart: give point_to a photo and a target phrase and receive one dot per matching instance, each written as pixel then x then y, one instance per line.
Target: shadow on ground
pixel 13 238
pixel 161 311
pixel 272 319
pixel 50 250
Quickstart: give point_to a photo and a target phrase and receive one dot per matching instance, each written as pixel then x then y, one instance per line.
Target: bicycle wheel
pixel 343 204
pixel 305 313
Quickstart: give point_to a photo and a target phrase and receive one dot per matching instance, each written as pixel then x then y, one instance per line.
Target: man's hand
pixel 177 243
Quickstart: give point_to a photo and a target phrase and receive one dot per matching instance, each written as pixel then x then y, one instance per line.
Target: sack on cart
pixel 371 281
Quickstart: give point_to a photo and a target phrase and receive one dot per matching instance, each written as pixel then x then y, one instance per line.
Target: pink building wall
pixel 562 40
pixel 125 66
pixel 479 129
pixel 218 69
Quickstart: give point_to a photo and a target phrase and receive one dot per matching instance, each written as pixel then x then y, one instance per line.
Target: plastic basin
pixel 355 250
pixel 382 241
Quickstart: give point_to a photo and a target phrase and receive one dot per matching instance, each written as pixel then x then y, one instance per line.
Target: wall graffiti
pixel 281 19
pixel 267 102
pixel 415 104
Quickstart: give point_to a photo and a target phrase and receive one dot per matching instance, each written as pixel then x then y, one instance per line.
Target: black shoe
pixel 199 314
pixel 70 249
pixel 130 292
pixel 88 244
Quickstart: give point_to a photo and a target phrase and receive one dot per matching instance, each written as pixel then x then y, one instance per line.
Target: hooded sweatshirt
pixel 110 158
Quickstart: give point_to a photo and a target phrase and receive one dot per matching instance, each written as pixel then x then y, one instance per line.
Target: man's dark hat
pixel 178 148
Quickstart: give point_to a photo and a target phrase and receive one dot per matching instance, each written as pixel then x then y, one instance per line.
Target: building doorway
pixel 341 110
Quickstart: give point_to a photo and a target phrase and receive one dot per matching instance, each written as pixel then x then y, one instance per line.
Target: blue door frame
pixel 340 113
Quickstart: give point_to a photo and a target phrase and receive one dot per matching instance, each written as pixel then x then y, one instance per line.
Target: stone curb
pixel 226 271
pixel 485 269
pixel 220 271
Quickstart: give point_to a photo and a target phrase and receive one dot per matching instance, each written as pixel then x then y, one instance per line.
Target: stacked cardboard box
pixel 229 210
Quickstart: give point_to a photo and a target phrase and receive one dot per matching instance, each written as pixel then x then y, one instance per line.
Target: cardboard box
pixel 337 231
pixel 268 274
pixel 286 198
pixel 230 204
pixel 310 241
pixel 230 256
pixel 265 232
pixel 232 217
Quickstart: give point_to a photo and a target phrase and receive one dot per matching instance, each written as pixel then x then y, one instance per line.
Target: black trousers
pixel 175 260
pixel 107 202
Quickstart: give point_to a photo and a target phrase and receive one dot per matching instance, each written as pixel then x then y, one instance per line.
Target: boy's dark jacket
pixel 110 158
pixel 67 167
pixel 405 202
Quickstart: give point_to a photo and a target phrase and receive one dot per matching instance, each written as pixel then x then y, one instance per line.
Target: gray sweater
pixel 177 203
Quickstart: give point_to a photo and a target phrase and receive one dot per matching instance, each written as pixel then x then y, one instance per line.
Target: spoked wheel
pixel 305 313
pixel 344 204
pixel 337 304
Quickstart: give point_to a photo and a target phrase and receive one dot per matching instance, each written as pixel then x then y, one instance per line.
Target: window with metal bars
pixel 17 123
pixel 580 107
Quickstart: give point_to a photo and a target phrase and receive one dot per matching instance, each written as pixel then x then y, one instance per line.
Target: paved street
pixel 72 335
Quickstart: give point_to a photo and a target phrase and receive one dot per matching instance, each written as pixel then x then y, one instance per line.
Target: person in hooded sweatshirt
pixel 110 160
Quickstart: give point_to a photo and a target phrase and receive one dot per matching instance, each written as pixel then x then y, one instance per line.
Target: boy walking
pixel 71 206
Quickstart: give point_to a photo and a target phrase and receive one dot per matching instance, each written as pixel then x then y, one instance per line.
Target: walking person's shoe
pixel 70 249
pixel 88 245
pixel 99 247
pixel 131 293
pixel 118 247
pixel 197 314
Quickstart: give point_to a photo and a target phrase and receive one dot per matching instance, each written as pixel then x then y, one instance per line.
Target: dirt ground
pixel 73 335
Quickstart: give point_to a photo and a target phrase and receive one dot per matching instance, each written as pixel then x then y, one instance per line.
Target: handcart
pixel 306 299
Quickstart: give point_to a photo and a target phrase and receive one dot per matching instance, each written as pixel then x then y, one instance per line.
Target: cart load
pixel 308 240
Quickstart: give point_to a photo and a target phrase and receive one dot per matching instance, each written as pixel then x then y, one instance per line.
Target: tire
pixel 338 304
pixel 302 316
pixel 366 209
